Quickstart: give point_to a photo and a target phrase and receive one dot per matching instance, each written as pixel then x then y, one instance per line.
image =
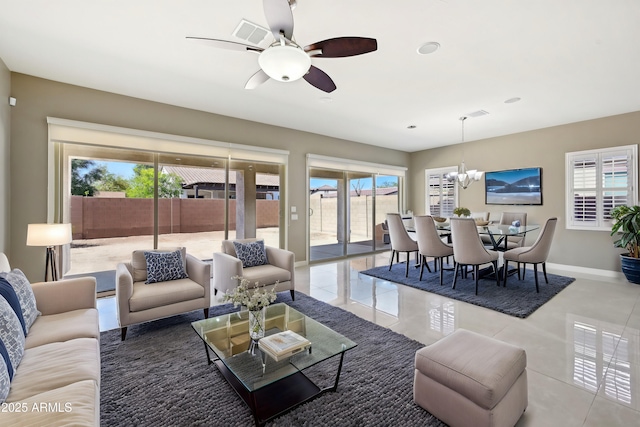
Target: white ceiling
pixel 569 60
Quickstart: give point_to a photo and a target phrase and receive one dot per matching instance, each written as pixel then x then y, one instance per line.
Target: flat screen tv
pixel 513 187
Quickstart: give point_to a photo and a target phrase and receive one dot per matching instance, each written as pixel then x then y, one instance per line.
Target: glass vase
pixel 257 323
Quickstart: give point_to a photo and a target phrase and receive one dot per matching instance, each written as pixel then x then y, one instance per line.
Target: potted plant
pixel 460 211
pixel 626 224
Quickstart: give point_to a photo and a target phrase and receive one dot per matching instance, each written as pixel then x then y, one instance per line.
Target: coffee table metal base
pixel 279 397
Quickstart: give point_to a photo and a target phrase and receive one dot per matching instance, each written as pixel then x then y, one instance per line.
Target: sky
pixel 125 170
pixel 365 183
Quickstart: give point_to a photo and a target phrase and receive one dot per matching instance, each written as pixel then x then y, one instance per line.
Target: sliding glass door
pixel 387 200
pixel 347 212
pixel 191 203
pixel 360 209
pixel 109 220
pixel 255 205
pixel 326 214
pixel 121 200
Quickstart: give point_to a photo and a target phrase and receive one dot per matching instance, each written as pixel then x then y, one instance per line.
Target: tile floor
pixel 583 346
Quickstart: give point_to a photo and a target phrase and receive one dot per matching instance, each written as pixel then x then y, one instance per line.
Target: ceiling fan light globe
pixel 284 63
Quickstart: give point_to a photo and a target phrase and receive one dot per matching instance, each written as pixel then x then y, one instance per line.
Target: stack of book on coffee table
pixel 283 344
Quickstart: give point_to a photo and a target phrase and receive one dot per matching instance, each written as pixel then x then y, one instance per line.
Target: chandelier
pixel 464 177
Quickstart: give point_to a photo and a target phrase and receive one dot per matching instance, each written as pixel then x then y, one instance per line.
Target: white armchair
pixel 280 269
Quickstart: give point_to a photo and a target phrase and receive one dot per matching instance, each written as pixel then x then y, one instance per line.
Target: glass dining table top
pixel 495 229
pixel 506 230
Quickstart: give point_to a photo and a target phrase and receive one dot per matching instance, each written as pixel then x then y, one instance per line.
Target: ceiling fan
pixel 285 60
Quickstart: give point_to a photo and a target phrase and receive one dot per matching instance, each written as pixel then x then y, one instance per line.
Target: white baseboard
pixel 585 271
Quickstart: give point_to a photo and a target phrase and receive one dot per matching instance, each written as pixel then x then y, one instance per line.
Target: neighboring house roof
pixel 325 187
pixel 192 176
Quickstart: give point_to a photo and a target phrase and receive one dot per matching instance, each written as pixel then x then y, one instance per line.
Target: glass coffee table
pixel 268 387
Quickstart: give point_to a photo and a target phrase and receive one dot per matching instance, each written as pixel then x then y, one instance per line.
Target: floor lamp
pixel 50 236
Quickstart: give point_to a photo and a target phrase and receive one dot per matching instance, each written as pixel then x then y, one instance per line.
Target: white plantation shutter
pixel 440 199
pixel 597 182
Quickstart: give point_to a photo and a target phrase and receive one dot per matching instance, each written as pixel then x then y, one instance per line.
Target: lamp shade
pixel 48 234
pixel 284 63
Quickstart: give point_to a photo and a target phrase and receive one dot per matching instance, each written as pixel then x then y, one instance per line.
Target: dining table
pixel 499 233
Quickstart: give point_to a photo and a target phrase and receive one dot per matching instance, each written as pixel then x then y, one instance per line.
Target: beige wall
pixel 39 98
pixel 545 148
pixel 5 189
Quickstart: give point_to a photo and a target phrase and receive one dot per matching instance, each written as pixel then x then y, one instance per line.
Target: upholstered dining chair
pixel 430 243
pixel 534 254
pixel 484 216
pixel 507 218
pixel 400 240
pixel 468 249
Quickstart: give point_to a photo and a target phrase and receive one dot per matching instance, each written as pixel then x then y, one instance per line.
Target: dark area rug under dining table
pixel 518 298
pixel 159 376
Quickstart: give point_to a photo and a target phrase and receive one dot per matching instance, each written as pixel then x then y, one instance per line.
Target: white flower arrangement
pixel 252 298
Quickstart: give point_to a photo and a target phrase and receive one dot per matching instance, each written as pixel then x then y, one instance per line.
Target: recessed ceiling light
pixel 325 100
pixel 428 48
pixel 512 100
pixel 412 127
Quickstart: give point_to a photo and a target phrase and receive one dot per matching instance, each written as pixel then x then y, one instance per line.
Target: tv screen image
pixel 514 187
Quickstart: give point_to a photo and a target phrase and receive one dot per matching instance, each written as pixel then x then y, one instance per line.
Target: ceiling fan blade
pixel 225 44
pixel 279 17
pixel 340 47
pixel 256 80
pixel 318 78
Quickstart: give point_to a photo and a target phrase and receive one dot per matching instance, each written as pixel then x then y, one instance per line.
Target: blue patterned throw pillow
pixel 164 266
pixel 5 381
pixel 251 254
pixel 11 335
pixel 9 294
pixel 21 285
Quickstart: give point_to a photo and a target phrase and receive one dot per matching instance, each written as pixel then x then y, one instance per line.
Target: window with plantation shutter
pixel 597 182
pixel 441 196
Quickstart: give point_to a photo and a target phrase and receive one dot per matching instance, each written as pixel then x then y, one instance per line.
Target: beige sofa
pixel 58 379
pixel 138 302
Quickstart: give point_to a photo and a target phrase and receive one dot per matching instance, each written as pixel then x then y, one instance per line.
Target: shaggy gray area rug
pixel 518 299
pixel 159 376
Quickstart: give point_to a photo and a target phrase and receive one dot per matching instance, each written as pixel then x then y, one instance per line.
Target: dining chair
pixel 535 254
pixel 507 218
pixel 400 240
pixel 468 249
pixel 430 244
pixel 484 216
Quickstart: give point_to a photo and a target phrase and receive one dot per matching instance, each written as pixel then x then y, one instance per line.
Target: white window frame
pixel 601 223
pixel 441 172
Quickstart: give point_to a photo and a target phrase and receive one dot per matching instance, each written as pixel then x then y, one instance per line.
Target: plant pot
pixel 631 268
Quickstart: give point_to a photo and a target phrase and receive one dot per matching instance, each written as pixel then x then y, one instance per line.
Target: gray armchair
pixel 278 273
pixel 138 302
